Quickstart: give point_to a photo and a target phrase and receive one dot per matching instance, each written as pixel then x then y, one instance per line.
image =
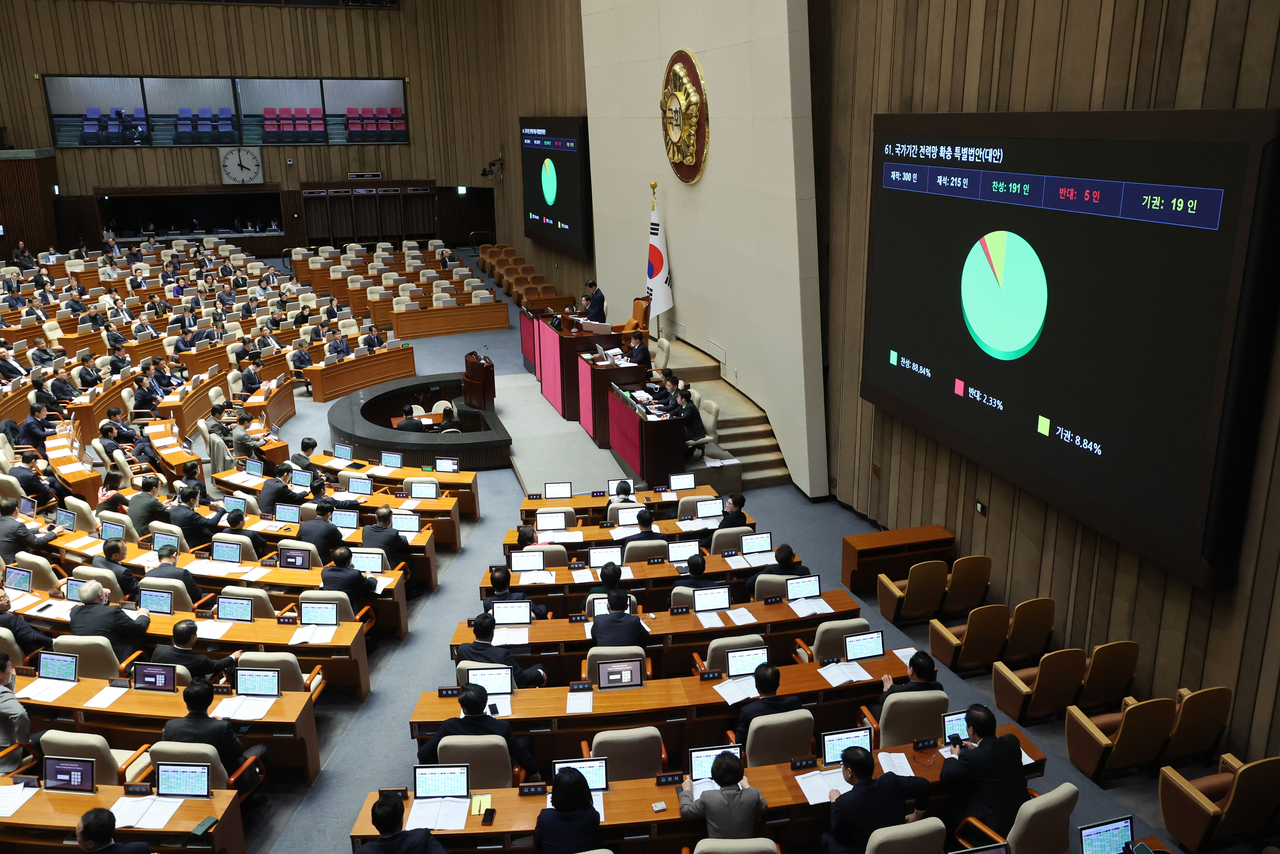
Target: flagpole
pixel 653 206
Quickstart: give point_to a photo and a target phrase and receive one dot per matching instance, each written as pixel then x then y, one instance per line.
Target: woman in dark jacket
pixel 570 825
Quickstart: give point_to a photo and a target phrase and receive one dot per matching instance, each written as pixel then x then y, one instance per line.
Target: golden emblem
pixel 684 116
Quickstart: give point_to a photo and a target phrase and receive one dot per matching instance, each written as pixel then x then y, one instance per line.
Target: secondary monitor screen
pixel 301 479
pixel 318 613
pixel 550 521
pixel 612 485
pixel 1106 837
pixel 517 612
pixel 346 518
pixel 235 608
pixel 58 665
pixel 258 681
pixel 447 465
pixel 406 522
pixel 112 531
pixel 291 513
pixel 154 677
pixel 232 503
pixel 754 543
pixel 627 516
pixel 681 550
pixel 226 552
pixel 743 662
pixel 17 578
pixel 804 587
pixel 557 186
pixel 702 758
pixel 557 490
pixel 1078 303
pixel 953 724
pixel 595 770
pixel 710 508
pixel 73 588
pixel 160 539
pixel 424 489
pixel 836 743
pixel 367 561
pixel 681 481
pixel 600 606
pixel 628 673
pixel 391 460
pixel 295 558
pixel 183 780
pixel 495 680
pixel 253 467
pixel 341 451
pixel 863 645
pixel 155 601
pixel 65 518
pixel 710 598
pixel 441 781
pixel 62 774
pixel 528 560
pixel 360 486
pixel 601 555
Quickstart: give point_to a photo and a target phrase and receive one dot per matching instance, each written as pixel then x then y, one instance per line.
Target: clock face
pixel 240 165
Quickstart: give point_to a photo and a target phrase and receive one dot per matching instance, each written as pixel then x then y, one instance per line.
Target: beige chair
pixel 778 738
pixel 919 837
pixel 755 845
pixel 386 564
pixel 589 603
pixel 9 646
pixel 1037 692
pixel 967 585
pixel 460 670
pixel 828 641
pixel 110 767
pixel 346 614
pixel 1108 674
pixel 974 646
pixel 181 751
pixel 556 554
pixel 641 550
pixel 907 717
pixel 682 597
pixel 43 575
pixel 597 654
pixel 488 757
pixel 710 412
pixel 130 532
pixel 719 649
pixel 728 538
pixel 1029 632
pixel 1120 740
pixel 262 607
pixel 661 355
pixel 247 553
pixel 1043 825
pixel 769 584
pixel 85 520
pixel 105 577
pixel 915 598
pixel 291 677
pixel 618 506
pixel 1200 722
pixel 167 528
pixel 97 658
pixel 1239 800
pixel 633 754
pixel 181 599
pixel 300 544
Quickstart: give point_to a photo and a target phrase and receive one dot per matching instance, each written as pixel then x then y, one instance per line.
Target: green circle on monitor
pixel 549 181
pixel 1004 294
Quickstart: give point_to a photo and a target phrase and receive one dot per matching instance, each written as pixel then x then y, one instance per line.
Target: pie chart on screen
pixel 549 181
pixel 1004 295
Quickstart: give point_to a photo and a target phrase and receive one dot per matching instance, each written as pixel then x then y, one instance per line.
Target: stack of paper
pixel 741 616
pixel 438 813
pixel 164 441
pixel 384 582
pixel 313 634
pixel 45 690
pixel 811 607
pixel 597 800
pixel 761 559
pixel 706 784
pixel 211 629
pixel 345 496
pixel 582 576
pixel 737 562
pixel 1026 760
pixel 623 533
pixel 147 560
pixel 215 568
pixel 898 763
pixel 335 463
pixel 669 496
pixel 255 574
pixel 380 471
pixel 737 690
pixel 19 600
pixel 537 576
pixel 54 609
pixel 506 636
pixel 817 785
pixel 561 536
pixel 150 812
pixel 905 654
pixel 13 797
pixel 81 543
pixel 710 619
pixel 578 703
pixel 410 504
pixel 844 671
pixel 694 525
pixel 243 708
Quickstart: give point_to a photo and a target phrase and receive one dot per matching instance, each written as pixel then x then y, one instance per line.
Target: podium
pixel 477 381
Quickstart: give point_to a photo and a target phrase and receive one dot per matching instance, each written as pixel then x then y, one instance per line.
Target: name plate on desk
pixel 675 778
pixel 772 600
pixel 532 789
pixel 401 792
pixel 204 615
pixel 29 781
pixel 448 691
pixel 660 488
pixel 118 683
pixel 577 564
pixel 655 560
pixel 287 619
pixel 925 744
pixel 804 762
pixel 137 789
pixel 598 493
pixel 22 670
pixel 835 659
pixel 535 496
pixel 269 561
pixel 679 609
pixel 221 689
pixel 579 686
pixel 729 553
pixel 579 618
pixel 686 518
pixel 709 675
pixel 608 524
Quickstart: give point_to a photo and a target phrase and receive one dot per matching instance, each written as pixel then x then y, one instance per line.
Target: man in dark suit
pixel 94 318
pixel 200 666
pixel 10 369
pixel 113 551
pixel 595 302
pixel 41 354
pixel 387 815
pixel 319 488
pixel 96 616
pixel 34 309
pixel 198 728
pixel 197 530
pixel 185 343
pixel 28 638
pixel 187 320
pixel 639 352
pixel 249 380
pixel 382 536
pixel 74 304
pixel 338 346
pixel 732 517
pixel 321 532
pixel 696 577
pixel 500 579
pixel 96 832
pixel 145 507
pixel 89 375
pixel 618 628
pixel 483 650
pixel 644 520
pixel 277 491
pixel 249 309
pixel 119 360
pixel 40 488
pixel 989 769
pixel 15 536
pixel 61 386
pixel 872 803
pixel 410 424
pixel 374 339
pixel 158 307
pixel 142 326
pixel 340 575
pixel 168 569
pixel 922 675
pixel 235 525
pixel 121 313
pixel 474 699
pixel 786 565
pixel 767 680
pixel 302 460
pixel 693 427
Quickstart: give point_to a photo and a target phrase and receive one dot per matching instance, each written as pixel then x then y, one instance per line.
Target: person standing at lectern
pixel 595 307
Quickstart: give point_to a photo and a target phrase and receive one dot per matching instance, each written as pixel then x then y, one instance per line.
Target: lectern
pixel 477 381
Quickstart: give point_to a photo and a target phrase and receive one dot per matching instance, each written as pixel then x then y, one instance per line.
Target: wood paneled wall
pixel 26 205
pixel 872 56
pixel 472 68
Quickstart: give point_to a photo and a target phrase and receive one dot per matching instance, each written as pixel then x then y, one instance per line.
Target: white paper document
pixel 737 562
pixel 811 607
pixel 741 616
pixel 737 690
pixel 150 812
pixel 12 798
pixel 843 672
pixel 537 576
pixel 898 763
pixel 583 576
pixel 627 574
pixel 19 600
pixel 761 559
pixel 255 574
pixel 313 634
pixel 148 560
pixel 45 690
pixel 243 708
pixel 506 636
pixel 597 800
pixel 905 654
pixel 380 471
pixel 104 698
pixel 214 568
pixel 383 583
pixel 500 705
pixel 669 496
pixel 578 703
pixel 211 629
pixel 438 813
pixel 623 533
pixel 694 525
pixel 1026 760
pixel 335 463
pixel 710 620
pixel 54 609
pixel 76 545
pixel 345 496
pixel 561 536
pixel 411 504
pixel 817 785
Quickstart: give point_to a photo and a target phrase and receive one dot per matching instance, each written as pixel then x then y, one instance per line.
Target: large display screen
pixel 1069 299
pixel 557 183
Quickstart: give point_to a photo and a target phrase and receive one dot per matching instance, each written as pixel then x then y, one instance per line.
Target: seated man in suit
pixel 235 525
pixel 475 720
pixel 97 616
pixel 381 535
pixel 410 424
pixel 731 517
pixel 693 426
pixel 42 489
pixel 618 628
pixel 196 529
pixel 989 769
pixel 321 532
pixel 786 565
pixel 169 569
pixel 500 578
pixel 267 342
pixel 302 460
pixel 226 295
pixel 41 354
pixel 74 303
pixel 13 300
pixel 226 270
pixel 276 321
pixel 198 728
pixel 387 816
pixel 340 575
pixel 96 831
pixel 338 346
pixel 644 520
pixel 731 810
pixel 639 352
pixel 872 803
pixel 249 309
pixel 922 675
pixel 696 577
pixel 94 318
pixel 250 382
pixel 121 313
pixel 16 537
pixel 242 444
pixel 36 428
pixel 61 387
pixel 146 326
pixel 767 680
pixel 34 309
pixel 146 507
pixel 10 368
pixel 158 307
pixel 89 375
pixel 136 282
pixel 185 343
pixel 113 552
pixel 320 489
pixel 119 361
pixel 374 339
pixel 482 649
pixel 28 638
pixel 199 665
pixel 278 490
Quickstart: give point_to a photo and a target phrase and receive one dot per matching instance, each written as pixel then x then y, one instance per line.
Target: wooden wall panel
pixel 472 67
pixel 950 55
pixel 26 205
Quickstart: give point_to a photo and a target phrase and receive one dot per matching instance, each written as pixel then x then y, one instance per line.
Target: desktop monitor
pixel 702 758
pixel 743 662
pixel 756 543
pixel 627 516
pixel 804 587
pixel 613 485
pixel 294 558
pixel 73 588
pixel 595 770
pixel 258 681
pixel 341 451
pixel 557 490
pixel 360 486
pixel 58 665
pixel 681 481
pixel 953 724
pixel 301 479
pixel 226 552
pixel 600 606
pixel 551 521
pixel 318 613
pixel 709 509
pixel 183 780
pixel 515 612
pixel 155 677
pixel 405 522
pixel 528 560
pixel 711 598
pixel 253 467
pixel 290 513
pixel 1106 837
pixel 863 645
pixel 159 538
pixel 112 531
pixel 156 601
pixel 620 673
pixel 65 518
pixel 680 551
pixel 65 774
pixel 235 608
pixel 441 781
pixel 447 465
pixel 599 556
pixel 836 742
pixel 231 503
pixel 392 460
pixel 494 680
pixel 346 518
pixel 368 561
pixel 17 578
pixel 424 489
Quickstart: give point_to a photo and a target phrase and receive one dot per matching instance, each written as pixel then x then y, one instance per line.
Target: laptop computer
pixel 341 451
pixel 253 467
pixel 17 578
pixel 620 673
pixel 528 560
pixel 258 681
pixel 863 645
pixel 681 481
pixel 551 521
pixel 318 613
pixel 160 539
pixel 425 490
pixel 360 486
pixel 804 587
pixel 743 662
pixel 599 556
pixel 65 774
pixel 112 531
pixel 447 465
pixel 26 507
pixel 348 519
pixel 156 601
pixel 183 780
pixel 392 460
pixel 62 666
pixel 1106 837
pixel 514 612
pixel 290 513
pixel 155 677
pixel 370 561
pixel 838 741
pixel 441 781
pixel 562 489
pixel 294 558
pixel 711 598
pixel 235 608
pixel 302 478
pixel 226 552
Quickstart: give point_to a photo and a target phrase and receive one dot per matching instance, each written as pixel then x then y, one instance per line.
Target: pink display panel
pixel 585 416
pixel 624 433
pixel 528 343
pixel 549 350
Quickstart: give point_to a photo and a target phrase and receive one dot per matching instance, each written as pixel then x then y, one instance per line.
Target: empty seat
pixel 225 133
pixel 286 131
pixel 315 113
pixel 381 112
pixel 89 134
pixel 967 585
pixel 1200 723
pixel 269 113
pixel 366 113
pixel 781 737
pixel 204 131
pixel 399 131
pixel 976 644
pixel 633 754
pixel 396 113
pixel 270 131
pixel 915 598
pixel 907 717
pixel 919 837
pixel 206 113
pixel 1042 690
pixel 1240 799
pixel 286 112
pixel 1108 674
pixel 184 114
pixel 1119 740
pixel 301 131
pixel 1029 632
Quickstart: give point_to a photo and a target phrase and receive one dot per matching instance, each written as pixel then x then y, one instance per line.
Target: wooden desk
pixel 557 363
pixel 333 381
pixel 28 830
pixel 152 348
pixel 199 361
pixel 81 479
pixel 138 717
pixel 650 451
pixel 864 556
pixel 594 535
pixel 274 408
pixel 561 646
pixel 464 483
pixel 195 407
pixel 593 394
pixel 90 413
pixel 449 319
pixel 594 509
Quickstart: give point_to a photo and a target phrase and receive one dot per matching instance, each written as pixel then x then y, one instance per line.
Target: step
pixel 731 421
pixel 748 448
pixel 777 476
pixel 743 433
pixel 694 374
pixel 761 460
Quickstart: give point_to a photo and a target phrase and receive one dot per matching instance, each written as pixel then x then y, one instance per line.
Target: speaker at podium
pixel 477 381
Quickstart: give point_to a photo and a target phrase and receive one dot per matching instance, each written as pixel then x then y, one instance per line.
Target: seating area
pixel 204 126
pixel 376 124
pixel 115 126
pixel 282 125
